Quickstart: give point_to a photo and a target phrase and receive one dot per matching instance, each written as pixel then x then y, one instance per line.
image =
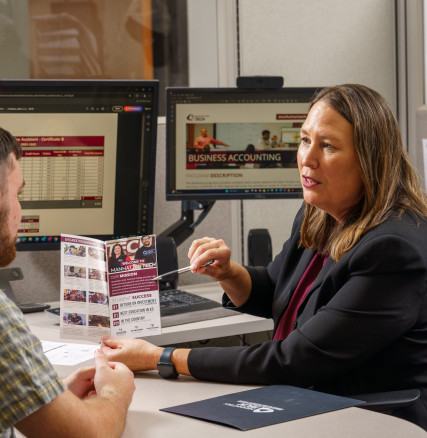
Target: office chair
pixel 259 247
pixel 167 260
pixel 386 402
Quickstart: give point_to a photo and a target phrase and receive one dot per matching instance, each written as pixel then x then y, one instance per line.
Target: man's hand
pixel 113 380
pixel 80 383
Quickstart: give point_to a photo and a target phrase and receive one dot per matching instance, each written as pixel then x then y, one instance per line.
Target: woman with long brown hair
pixel 347 293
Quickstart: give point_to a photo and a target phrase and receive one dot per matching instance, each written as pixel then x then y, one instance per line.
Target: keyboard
pixel 181 307
pixel 176 301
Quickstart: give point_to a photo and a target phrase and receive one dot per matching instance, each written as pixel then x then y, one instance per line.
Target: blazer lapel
pixel 319 279
pixel 285 297
pixel 325 269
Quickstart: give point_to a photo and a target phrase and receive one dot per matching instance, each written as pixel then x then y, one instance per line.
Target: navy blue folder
pixel 263 406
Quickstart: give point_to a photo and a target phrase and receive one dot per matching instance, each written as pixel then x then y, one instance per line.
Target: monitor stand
pixel 184 227
pixel 12 274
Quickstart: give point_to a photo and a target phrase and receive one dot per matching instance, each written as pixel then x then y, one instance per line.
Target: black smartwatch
pixel 165 366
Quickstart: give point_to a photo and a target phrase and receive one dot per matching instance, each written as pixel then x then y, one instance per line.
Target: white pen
pixel 179 271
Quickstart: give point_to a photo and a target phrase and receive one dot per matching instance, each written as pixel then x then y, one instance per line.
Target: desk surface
pixel 153 393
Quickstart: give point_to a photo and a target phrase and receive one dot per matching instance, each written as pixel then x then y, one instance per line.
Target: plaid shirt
pixel 27 379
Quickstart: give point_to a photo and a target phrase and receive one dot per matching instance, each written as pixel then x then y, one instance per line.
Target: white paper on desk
pixel 47 346
pixel 60 353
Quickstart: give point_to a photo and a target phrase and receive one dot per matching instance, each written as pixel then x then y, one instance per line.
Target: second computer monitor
pixel 234 143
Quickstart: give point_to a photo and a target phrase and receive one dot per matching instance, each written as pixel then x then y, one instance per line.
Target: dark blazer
pixel 361 328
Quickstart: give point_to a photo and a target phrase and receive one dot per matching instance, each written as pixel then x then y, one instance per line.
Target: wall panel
pixel 314 43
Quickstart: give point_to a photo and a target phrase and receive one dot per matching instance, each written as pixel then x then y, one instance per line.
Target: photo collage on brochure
pixel 108 288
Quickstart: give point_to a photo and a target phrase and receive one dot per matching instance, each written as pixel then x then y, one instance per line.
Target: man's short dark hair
pixel 8 145
pixel 266 131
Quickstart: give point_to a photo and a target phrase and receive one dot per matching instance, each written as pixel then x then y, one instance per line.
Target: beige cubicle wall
pixel 312 44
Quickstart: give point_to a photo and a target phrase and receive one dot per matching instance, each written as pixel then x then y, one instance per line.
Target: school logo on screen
pixel 196 117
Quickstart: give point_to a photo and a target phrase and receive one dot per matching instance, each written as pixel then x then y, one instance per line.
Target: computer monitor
pixel 234 143
pixel 88 157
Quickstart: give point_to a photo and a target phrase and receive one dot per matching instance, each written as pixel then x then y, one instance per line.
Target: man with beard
pixel 147 252
pixel 92 401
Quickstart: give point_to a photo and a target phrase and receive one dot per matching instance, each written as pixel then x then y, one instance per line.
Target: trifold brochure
pixel 108 288
pixel 263 406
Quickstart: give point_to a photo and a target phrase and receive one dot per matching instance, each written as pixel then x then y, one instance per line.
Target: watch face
pixel 167 370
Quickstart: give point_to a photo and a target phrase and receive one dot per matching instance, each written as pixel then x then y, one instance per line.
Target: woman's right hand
pixel 233 278
pixel 203 250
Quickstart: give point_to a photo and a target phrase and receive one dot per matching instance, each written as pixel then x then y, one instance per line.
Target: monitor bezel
pixel 93 84
pixel 173 196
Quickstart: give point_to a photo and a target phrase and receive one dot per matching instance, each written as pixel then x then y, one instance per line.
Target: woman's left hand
pixel 137 354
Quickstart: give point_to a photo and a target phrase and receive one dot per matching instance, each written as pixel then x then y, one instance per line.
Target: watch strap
pixel 165 366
